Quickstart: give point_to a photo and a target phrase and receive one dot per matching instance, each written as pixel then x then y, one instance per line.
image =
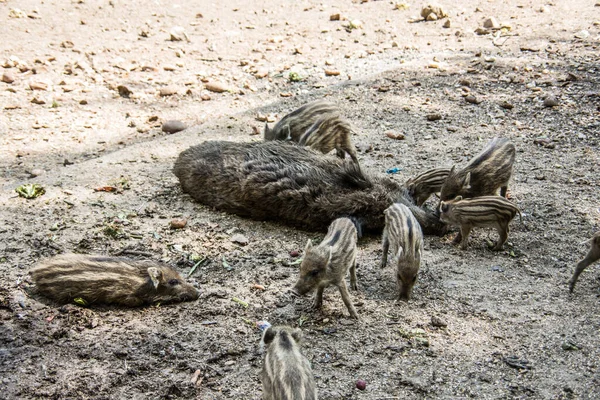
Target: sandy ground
pixel 513 330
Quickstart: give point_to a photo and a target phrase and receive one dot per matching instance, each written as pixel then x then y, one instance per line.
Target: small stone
pixel 395 135
pixel 472 99
pixel 173 126
pixel 431 17
pixel 285 94
pixel 294 253
pixel 35 100
pixel 433 9
pixel 447 24
pixel 36 172
pixel 506 105
pixel 124 91
pixel 332 72
pixel 491 23
pixel 169 67
pixel 177 33
pixel 216 87
pixel 434 117
pixel 83 102
pixel 167 91
pixel 38 85
pixel 7 77
pixel 582 34
pixel 438 322
pixel 464 82
pixel 540 177
pixel 178 223
pixel 67 44
pixel 334 17
pixel 482 31
pixel 361 384
pixel 205 97
pixel 240 239
pixel 261 73
pixel 550 102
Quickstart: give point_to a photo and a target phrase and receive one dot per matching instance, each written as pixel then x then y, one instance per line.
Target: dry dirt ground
pixel 513 329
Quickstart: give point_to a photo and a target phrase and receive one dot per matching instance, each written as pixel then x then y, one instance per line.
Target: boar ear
pixel 443 206
pixel 267 129
pixel 452 169
pixel 467 181
pixel 269 335
pixel 289 133
pixel 308 246
pixel 155 275
pixel 297 335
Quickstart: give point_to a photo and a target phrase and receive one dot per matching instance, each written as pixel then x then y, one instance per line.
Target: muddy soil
pixel 512 330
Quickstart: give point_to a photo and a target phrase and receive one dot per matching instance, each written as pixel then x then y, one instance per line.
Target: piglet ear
pixel 452 169
pixel 269 335
pixel 289 135
pixel 467 181
pixel 308 246
pixel 155 275
pixel 297 335
pixel 458 198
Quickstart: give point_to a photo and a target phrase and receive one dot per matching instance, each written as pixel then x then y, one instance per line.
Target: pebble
pixel 433 9
pixel 491 23
pixel 394 135
pixel 482 31
pixel 167 91
pixel 361 384
pixel 294 253
pixel 124 91
pixel 178 223
pixel 169 67
pixel 8 77
pixel 332 72
pixel 205 97
pixel 434 117
pixel 582 34
pixel 506 105
pixel 447 24
pixel 35 100
pixel 472 99
pixel 36 172
pixel 334 17
pixel 550 102
pixel 438 322
pixel 38 85
pixel 239 239
pixel 173 126
pixel 216 87
pixel 177 33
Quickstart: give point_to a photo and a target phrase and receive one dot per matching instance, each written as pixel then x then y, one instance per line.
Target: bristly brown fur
pixel 286 373
pixel 424 185
pixel 290 184
pixel 295 124
pixel 484 174
pixel 110 280
pixel 592 256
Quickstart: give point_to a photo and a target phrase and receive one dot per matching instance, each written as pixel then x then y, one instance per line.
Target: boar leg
pixel 353 283
pixel 346 299
pixel 503 230
pixel 465 231
pixel 352 153
pixel 340 153
pixel 589 259
pixel 386 247
pixel 503 191
pixel 457 238
pixel 318 297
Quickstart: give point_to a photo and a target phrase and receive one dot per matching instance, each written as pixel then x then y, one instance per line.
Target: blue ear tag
pixel 393 170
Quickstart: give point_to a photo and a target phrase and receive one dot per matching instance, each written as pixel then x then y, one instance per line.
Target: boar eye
pixel 314 272
pixel 414 279
pixel 174 282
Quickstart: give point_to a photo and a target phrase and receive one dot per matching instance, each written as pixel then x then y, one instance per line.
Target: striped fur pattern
pixel 328 133
pixel 286 373
pixel 403 234
pixel 485 211
pixel 484 174
pixel 110 280
pixel 296 123
pixel 328 263
pixel 424 185
pixel 592 256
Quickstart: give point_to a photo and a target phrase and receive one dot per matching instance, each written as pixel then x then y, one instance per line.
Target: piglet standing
pixel 286 373
pixel 486 211
pixel 592 256
pixel 328 263
pixel 110 280
pixel 403 233
pixel 424 185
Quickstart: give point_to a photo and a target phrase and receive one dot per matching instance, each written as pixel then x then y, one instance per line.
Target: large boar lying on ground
pixel 291 184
